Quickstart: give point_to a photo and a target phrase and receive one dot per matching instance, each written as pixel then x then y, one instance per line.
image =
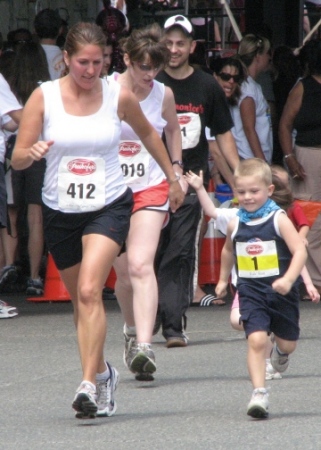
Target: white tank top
pixel 140 169
pixel 83 172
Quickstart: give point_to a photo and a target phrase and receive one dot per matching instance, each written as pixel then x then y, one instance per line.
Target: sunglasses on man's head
pixel 228 76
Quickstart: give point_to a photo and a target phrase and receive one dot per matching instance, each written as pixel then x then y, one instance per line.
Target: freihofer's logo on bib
pixel 190 124
pixel 257 259
pixel 134 160
pixel 81 184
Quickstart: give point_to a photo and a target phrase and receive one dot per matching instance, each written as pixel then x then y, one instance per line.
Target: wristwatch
pixel 179 163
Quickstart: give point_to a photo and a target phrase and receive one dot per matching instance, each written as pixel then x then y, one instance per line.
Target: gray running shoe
pixel 143 362
pixel 130 344
pixel 258 408
pixel 279 362
pixel 85 403
pixel 105 394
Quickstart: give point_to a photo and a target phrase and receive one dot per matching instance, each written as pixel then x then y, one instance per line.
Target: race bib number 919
pixel 134 160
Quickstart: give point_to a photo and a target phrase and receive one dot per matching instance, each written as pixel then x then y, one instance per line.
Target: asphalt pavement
pixel 197 402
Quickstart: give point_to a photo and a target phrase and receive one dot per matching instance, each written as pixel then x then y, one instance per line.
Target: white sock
pixel 131 331
pixel 103 376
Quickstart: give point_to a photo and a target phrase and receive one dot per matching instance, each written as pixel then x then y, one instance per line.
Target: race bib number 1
pixel 190 124
pixel 257 259
pixel 81 184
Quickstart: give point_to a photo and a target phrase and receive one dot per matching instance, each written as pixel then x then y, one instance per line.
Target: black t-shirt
pixel 308 120
pixel 200 102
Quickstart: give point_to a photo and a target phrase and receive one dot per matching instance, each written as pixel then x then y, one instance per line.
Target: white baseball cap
pixel 180 21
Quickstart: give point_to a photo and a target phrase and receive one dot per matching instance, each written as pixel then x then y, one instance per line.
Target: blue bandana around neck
pixel 264 211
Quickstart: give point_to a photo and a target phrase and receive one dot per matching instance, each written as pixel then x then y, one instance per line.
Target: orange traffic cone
pixel 111 280
pixel 211 248
pixel 210 258
pixel 54 289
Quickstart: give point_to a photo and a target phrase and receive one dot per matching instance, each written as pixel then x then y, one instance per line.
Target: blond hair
pixel 254 167
pixel 250 46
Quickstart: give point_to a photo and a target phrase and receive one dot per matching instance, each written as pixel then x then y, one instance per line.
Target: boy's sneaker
pixel 271 373
pixel 105 393
pixel 7 311
pixel 8 275
pixel 142 362
pixel 259 404
pixel 34 287
pixel 279 362
pixel 85 401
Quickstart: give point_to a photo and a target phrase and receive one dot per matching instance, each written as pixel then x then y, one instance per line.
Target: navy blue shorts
pixel 263 309
pixel 64 231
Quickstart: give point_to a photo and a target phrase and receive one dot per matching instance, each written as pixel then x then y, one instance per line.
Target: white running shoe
pixel 271 373
pixel 7 311
pixel 105 393
pixel 279 362
pixel 85 401
pixel 258 408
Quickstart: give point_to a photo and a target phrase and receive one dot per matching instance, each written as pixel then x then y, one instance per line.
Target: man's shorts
pixel 263 309
pixel 64 231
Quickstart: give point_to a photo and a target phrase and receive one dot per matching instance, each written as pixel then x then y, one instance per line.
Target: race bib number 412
pixel 81 184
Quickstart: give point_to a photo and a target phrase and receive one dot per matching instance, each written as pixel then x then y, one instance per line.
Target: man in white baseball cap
pixel 200 102
pixel 179 21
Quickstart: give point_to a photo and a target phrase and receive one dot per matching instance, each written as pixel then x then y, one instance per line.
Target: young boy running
pixel 269 256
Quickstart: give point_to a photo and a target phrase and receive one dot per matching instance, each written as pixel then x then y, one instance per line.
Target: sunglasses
pixel 227 77
pixel 147 67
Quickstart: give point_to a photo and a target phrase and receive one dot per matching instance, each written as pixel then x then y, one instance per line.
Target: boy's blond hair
pixel 254 167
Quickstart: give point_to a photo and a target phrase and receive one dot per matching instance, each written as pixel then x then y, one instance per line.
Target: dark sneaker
pixel 177 341
pixel 8 275
pixel 34 287
pixel 105 394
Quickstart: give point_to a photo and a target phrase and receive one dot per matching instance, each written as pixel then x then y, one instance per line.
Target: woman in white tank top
pixel 86 203
pixel 136 286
